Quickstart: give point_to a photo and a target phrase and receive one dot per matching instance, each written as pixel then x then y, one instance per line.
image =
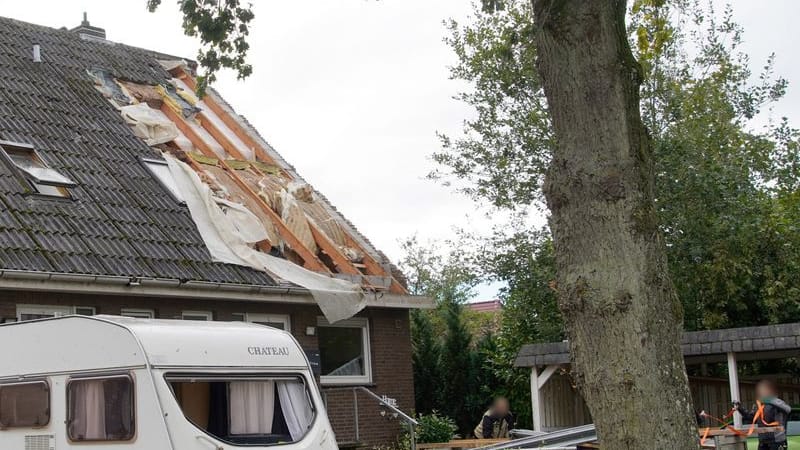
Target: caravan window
pixel 100 409
pixel 24 405
pixel 246 411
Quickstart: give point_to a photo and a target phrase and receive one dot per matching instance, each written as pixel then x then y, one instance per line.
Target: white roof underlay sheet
pixel 229 242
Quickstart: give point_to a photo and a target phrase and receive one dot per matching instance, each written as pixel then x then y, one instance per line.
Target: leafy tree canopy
pixel 727 190
pixel 222 27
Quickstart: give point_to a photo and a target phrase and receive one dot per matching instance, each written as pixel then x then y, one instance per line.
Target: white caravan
pixel 109 382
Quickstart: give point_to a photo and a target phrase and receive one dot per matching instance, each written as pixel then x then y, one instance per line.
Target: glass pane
pixel 84 311
pixel 137 314
pixel 341 351
pixel 24 405
pixel 53 191
pixel 194 317
pixel 24 317
pixel 278 325
pixel 27 162
pixel 101 409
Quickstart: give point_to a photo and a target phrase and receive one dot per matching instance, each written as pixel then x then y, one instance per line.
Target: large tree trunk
pixel 622 315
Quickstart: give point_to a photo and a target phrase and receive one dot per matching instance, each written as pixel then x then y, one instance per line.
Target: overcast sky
pixel 352 92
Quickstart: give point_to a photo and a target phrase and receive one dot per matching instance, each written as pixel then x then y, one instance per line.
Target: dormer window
pixel 35 171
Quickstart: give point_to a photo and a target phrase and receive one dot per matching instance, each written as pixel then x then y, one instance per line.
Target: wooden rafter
pixel 371 266
pixel 343 264
pixel 226 118
pixel 310 260
pixel 219 136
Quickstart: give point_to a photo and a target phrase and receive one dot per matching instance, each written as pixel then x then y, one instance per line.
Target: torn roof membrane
pixel 297 225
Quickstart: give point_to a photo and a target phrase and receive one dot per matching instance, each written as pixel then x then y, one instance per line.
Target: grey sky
pixel 352 92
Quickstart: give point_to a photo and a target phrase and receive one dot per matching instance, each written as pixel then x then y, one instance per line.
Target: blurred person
pixel 775 410
pixel 496 421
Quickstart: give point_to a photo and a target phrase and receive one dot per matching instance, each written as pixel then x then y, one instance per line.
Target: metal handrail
pixel 412 423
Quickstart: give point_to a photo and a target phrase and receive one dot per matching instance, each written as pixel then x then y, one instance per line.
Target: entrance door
pixel 279 321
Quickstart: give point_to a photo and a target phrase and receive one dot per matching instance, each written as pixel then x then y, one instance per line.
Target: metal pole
pixel 355 409
pixel 413 435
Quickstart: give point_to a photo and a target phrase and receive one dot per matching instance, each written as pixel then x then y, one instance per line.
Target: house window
pixel 24 405
pixel 100 409
pixel 84 310
pixel 33 312
pixel 279 321
pixel 197 315
pixel 35 171
pixel 138 313
pixel 160 170
pixel 344 351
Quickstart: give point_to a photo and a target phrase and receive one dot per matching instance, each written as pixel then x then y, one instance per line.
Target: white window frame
pixel 207 314
pixel 56 185
pixel 40 310
pixel 137 313
pixel 275 318
pixel 355 322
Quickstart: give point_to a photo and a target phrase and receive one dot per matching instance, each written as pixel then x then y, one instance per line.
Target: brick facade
pixel 390 344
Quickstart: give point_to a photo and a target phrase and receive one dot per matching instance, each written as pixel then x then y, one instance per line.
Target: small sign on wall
pixel 314 361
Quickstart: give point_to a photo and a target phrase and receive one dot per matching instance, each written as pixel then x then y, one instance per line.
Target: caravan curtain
pixel 252 406
pixel 295 407
pixel 88 405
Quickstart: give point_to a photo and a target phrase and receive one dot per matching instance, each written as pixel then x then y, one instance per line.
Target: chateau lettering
pixel 268 351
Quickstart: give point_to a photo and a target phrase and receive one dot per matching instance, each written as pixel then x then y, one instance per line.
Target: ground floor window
pixel 197 315
pixel 252 411
pixel 100 409
pixel 137 313
pixel 33 312
pixel 344 351
pixel 24 405
pixel 279 321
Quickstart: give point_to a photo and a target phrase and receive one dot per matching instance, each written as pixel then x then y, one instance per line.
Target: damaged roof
pixel 120 220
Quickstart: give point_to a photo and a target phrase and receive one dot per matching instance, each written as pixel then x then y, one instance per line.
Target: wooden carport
pixel 728 345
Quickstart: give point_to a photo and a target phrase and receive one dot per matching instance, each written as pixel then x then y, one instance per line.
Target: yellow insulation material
pixel 203 159
pixel 168 100
pixel 237 164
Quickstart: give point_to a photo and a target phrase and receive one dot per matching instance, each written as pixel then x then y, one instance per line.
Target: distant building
pixel 486 306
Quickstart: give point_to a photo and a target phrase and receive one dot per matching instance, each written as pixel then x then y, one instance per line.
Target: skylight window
pixel 160 170
pixel 31 167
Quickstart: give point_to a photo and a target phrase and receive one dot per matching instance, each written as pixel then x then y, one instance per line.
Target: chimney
pixel 86 30
pixel 37 53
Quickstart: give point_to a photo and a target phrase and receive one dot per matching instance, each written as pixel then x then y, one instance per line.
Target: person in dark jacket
pixel 775 410
pixel 496 421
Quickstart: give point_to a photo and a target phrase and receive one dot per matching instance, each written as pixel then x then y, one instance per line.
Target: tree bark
pixel 622 315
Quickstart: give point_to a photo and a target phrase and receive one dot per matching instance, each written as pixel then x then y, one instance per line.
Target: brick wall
pixel 390 343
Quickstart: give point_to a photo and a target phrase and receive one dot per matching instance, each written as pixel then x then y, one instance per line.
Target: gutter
pixel 24 280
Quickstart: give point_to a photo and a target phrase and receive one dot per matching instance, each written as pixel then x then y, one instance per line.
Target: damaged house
pixel 123 193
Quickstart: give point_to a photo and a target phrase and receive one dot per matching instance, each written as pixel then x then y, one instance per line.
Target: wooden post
pixel 733 381
pixel 538 380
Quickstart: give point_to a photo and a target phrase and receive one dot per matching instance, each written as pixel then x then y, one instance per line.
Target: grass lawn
pixel 794 443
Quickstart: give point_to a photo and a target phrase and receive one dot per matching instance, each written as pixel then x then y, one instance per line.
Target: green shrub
pixel 435 428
